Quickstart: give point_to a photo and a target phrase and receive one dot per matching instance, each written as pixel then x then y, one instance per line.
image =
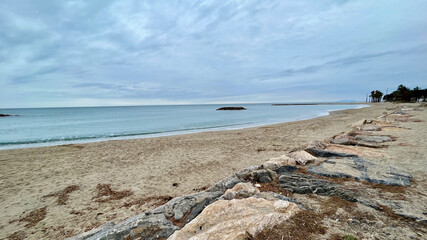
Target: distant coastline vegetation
pixel 402 94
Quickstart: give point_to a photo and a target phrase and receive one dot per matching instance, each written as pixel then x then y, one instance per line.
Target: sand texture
pixel 57 192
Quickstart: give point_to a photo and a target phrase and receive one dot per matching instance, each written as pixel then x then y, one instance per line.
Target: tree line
pixel 402 94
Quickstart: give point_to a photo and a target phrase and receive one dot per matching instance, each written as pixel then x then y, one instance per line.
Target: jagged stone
pixel 88 234
pixel 356 150
pixel 373 138
pixel 342 141
pixel 179 206
pixel 241 190
pixel 237 219
pixel 306 184
pixel 143 226
pixel 286 169
pixel 277 162
pixel 225 183
pixel 405 209
pixel 325 153
pixel 274 196
pixel 370 127
pixel 247 172
pixel 318 144
pixel 302 157
pixel 361 169
pixel 264 176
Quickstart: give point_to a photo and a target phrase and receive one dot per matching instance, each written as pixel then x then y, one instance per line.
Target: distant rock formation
pixel 5 115
pixel 231 108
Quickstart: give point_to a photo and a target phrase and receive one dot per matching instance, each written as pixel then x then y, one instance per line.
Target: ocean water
pixel 55 126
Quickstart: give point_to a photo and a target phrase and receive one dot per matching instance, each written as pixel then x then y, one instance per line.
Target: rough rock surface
pixel 355 150
pixel 264 176
pixel 325 153
pixel 361 169
pixel 237 219
pixel 406 209
pixel 179 206
pixel 302 157
pixel 277 162
pixel 306 184
pixel 241 190
pixel 86 235
pixel 373 138
pixel 226 183
pixel 369 127
pixel 286 169
pixel 142 226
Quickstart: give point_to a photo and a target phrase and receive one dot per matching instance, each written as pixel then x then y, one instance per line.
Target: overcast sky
pixel 88 53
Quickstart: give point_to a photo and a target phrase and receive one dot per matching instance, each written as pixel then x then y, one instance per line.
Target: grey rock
pixel 143 226
pixel 248 172
pixel 405 209
pixel 180 206
pixel 88 234
pixel 342 141
pixel 369 127
pixel 361 169
pixel 373 138
pixel 324 153
pixel 273 196
pixel 264 176
pixel 306 184
pixel 199 208
pixel 286 169
pixel 224 184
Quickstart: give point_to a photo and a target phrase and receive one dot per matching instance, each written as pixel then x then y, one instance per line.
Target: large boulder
pixel 237 219
pixel 356 150
pixel 143 226
pixel 302 157
pixel 373 138
pixel 180 206
pixel 306 184
pixel 226 183
pixel 241 190
pixel 361 169
pixel 277 162
pixel 264 176
pixel 86 235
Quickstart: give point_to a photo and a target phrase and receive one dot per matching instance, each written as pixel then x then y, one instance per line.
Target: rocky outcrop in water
pixel 7 115
pixel 231 108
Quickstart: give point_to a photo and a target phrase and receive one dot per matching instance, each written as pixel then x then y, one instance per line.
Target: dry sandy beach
pixel 60 191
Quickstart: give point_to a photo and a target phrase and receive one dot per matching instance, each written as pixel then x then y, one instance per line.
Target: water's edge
pixel 59 142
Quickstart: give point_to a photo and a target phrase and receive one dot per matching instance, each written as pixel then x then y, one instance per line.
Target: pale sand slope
pixel 147 167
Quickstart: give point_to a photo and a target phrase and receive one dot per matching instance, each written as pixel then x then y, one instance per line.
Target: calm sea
pixel 54 126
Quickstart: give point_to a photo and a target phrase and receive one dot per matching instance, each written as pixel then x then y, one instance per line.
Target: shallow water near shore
pixel 54 126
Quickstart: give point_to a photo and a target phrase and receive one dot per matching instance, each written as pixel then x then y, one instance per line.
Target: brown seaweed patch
pixel 291 229
pixel 33 217
pixel 274 187
pixel 20 235
pixel 64 194
pixel 387 188
pixel 105 193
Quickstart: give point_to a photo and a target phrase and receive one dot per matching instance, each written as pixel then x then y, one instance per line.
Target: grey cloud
pixel 203 51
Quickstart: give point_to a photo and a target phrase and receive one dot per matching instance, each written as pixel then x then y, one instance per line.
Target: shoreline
pixel 150 168
pixel 177 132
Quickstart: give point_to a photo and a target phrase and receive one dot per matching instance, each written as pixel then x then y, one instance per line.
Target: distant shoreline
pixel 303 104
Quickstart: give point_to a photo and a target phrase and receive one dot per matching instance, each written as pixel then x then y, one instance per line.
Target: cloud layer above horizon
pixel 89 53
